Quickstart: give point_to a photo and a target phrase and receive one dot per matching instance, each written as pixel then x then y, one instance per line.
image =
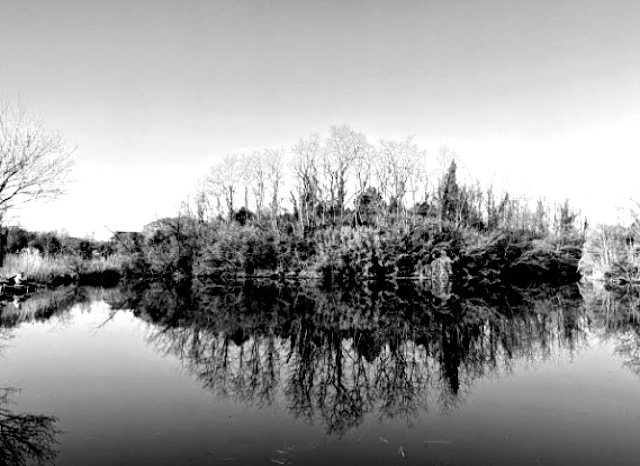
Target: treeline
pixel 344 180
pixel 343 209
pixel 16 239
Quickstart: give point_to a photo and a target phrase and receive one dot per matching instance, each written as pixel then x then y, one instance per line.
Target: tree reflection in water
pixel 25 438
pixel 618 312
pixel 335 356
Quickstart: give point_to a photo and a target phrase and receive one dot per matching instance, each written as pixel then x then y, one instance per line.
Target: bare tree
pixel 222 183
pixel 306 157
pixel 344 147
pixel 364 164
pixel 400 163
pixel 201 201
pixel 35 161
pixel 274 160
pixel 197 203
pixel 258 169
pixel 245 168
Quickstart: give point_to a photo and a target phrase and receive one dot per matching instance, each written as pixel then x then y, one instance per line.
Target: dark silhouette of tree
pixel 369 205
pixel 243 216
pixel 450 194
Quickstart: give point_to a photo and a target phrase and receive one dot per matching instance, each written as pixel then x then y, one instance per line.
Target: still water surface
pixel 276 376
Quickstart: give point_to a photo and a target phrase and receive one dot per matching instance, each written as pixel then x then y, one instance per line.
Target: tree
pixel 306 157
pixel 399 170
pixel 258 170
pixel 369 205
pixel 245 162
pixel 274 167
pixel 450 194
pixel 35 161
pixel 567 217
pixel 343 148
pixel 223 181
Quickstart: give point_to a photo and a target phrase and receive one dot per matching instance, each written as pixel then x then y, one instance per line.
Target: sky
pixel 543 95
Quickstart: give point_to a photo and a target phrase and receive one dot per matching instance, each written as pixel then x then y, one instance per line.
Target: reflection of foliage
pixel 612 253
pixel 334 357
pixel 618 312
pixel 41 305
pixel 25 437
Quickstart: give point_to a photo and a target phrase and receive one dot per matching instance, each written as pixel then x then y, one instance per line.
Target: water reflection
pixel 25 438
pixel 334 356
pixel 618 312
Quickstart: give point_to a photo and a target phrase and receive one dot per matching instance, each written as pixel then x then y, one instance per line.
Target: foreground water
pixel 269 375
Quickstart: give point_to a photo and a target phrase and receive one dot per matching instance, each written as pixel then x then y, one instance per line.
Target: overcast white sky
pixel 153 92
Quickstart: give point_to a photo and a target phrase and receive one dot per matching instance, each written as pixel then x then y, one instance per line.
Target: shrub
pixel 356 253
pixel 236 248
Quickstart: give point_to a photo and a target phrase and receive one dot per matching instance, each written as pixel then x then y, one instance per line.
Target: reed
pixel 35 267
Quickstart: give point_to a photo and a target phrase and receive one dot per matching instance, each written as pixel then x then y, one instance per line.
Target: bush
pixel 356 253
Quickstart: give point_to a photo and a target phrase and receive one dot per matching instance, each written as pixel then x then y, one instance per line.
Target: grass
pixel 35 267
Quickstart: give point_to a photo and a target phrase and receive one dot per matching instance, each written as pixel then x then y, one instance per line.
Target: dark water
pixel 265 374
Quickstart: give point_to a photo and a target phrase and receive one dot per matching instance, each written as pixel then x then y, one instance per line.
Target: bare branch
pixel 34 161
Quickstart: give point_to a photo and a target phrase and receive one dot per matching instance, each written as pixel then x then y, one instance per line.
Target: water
pixel 292 375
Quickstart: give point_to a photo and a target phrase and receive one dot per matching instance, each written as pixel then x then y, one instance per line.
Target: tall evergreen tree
pixel 450 194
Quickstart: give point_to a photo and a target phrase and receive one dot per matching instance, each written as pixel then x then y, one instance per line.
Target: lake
pixel 261 373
